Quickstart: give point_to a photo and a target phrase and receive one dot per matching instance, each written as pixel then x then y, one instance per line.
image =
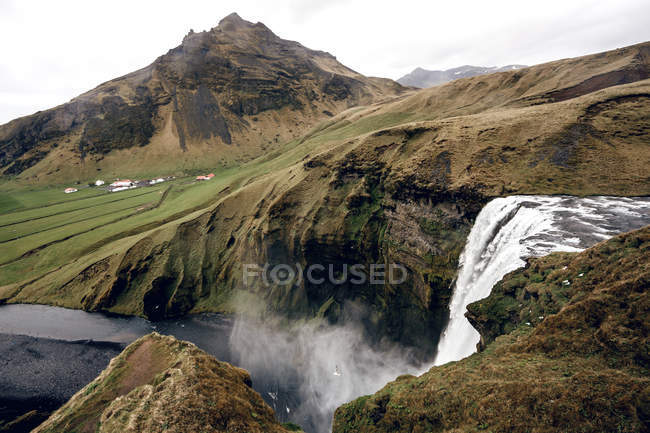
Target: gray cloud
pixel 52 53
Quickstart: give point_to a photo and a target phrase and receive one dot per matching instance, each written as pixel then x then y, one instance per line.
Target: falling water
pixel 508 230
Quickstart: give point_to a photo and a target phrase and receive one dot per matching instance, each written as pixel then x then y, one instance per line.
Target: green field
pixel 44 229
pixel 19 200
pixel 62 226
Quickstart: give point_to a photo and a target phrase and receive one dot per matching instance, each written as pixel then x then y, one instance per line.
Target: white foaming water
pixel 510 229
pixel 315 368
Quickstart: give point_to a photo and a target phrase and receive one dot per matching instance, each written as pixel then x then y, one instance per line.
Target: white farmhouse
pixel 121 183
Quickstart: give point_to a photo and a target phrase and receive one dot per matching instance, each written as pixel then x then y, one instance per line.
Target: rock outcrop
pixel 160 384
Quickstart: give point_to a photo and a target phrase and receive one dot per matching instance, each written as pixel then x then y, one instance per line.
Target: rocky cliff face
pixel 224 95
pixel 161 384
pixel 557 357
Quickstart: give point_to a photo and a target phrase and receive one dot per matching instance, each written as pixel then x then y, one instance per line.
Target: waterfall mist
pixel 310 369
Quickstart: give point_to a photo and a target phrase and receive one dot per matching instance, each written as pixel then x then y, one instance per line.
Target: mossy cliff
pixel 565 348
pixel 548 284
pixel 162 384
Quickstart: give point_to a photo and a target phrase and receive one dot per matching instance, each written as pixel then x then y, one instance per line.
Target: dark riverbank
pixel 47 354
pixel 37 375
pixel 292 369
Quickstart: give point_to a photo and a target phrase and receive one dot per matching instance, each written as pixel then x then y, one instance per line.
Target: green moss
pixel 512 284
pixel 358 217
pixel 90 388
pixel 291 426
pixel 431 227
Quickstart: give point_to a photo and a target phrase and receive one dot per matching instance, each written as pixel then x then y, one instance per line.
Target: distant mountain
pixel 424 78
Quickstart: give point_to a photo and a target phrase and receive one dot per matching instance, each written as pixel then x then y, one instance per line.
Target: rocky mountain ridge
pixel 424 78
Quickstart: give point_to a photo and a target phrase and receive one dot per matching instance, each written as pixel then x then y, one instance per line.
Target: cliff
pixel 565 348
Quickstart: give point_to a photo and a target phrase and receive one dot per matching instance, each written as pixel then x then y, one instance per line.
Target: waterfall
pixel 509 230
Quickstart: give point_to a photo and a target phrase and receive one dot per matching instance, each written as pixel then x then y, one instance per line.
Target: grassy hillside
pixel 557 357
pixel 161 384
pixel 398 181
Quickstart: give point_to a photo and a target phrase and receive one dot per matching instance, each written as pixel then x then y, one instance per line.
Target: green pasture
pixel 44 229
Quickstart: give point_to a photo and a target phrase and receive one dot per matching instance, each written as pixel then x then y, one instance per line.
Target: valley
pixel 316 164
pixel 409 175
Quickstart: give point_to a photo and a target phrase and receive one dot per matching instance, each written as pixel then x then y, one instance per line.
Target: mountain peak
pixel 206 88
pixel 233 17
pixel 233 22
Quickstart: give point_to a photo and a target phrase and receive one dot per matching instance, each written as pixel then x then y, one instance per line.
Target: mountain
pixel 397 181
pixel 225 95
pixel 424 78
pixel 556 356
pixel 158 384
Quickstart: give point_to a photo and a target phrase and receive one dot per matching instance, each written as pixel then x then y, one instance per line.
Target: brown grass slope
pixel 161 384
pixel 223 96
pixel 582 367
pixel 541 84
pixel 385 184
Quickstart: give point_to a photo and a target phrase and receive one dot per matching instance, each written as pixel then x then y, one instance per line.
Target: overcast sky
pixel 55 50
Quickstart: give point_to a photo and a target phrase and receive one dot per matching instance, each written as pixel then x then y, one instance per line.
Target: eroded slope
pixel 162 384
